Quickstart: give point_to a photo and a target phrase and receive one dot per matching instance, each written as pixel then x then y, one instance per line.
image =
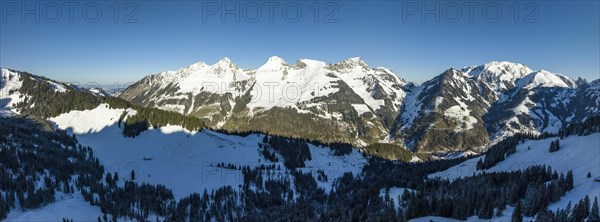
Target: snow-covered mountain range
pixel 348 101
pixel 459 110
pixel 83 133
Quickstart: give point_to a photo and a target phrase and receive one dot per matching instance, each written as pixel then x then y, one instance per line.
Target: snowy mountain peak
pixel 454 74
pixel 225 61
pixel 356 61
pixel 303 63
pixel 497 76
pixel 500 69
pixel 4 72
pixel 350 63
pixel 197 66
pixel 224 65
pixel 275 59
pixel 545 78
pixel 273 63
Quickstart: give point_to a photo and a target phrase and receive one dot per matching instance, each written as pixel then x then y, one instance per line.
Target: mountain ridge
pixel 222 97
pixel 354 93
pixel 350 102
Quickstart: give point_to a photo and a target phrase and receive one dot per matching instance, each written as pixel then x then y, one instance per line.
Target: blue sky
pixel 559 36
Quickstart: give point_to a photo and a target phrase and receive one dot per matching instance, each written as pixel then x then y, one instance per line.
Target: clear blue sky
pixel 170 35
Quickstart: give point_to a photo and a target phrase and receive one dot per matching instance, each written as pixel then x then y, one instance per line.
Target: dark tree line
pixel 589 126
pixel 338 148
pixel 44 101
pixel 147 117
pixel 388 151
pixel 294 152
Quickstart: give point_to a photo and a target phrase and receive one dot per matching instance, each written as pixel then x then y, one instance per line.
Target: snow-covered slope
pixel 581 154
pixel 184 161
pixel 506 216
pixel 9 96
pixel 72 207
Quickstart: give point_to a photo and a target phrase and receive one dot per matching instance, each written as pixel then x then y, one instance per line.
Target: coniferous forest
pixel 56 162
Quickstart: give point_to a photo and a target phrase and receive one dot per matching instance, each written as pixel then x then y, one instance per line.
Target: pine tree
pixel 132 175
pixel 517 216
pixel 569 180
pixel 581 210
pixel 109 179
pixel 594 214
pixel 589 175
pixel 554 146
pixel 544 215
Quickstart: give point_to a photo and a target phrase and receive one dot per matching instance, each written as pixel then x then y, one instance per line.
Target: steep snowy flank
pixel 412 105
